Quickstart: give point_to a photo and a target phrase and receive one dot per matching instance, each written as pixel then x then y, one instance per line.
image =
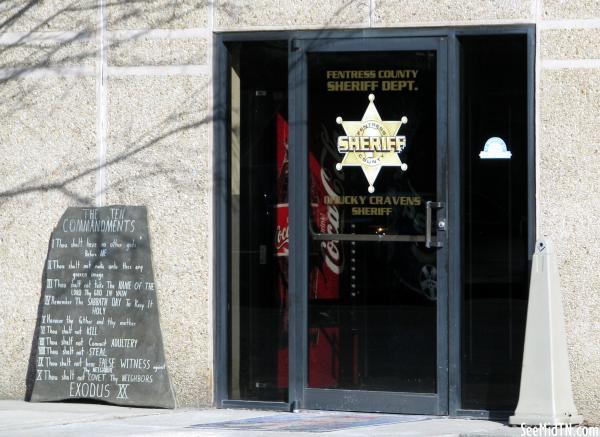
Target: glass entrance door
pixel 372 140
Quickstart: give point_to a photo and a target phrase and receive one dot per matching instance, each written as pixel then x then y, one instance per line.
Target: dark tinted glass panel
pixel 372 304
pixel 494 215
pixel 258 355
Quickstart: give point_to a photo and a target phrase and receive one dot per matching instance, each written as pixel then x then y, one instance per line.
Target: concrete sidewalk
pixel 18 418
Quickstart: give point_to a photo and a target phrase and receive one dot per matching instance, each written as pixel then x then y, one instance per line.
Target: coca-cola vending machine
pixel 325 279
pixel 324 276
pixel 281 249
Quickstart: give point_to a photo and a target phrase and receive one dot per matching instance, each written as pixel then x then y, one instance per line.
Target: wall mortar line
pixel 569 64
pixel 101 173
pixel 210 213
pixel 569 24
pixel 41 72
pixel 159 34
pixel 159 70
pixel 371 12
pixel 8 38
pixel 403 25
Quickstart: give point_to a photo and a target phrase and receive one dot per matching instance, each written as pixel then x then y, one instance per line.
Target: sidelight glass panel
pixel 495 223
pixel 371 304
pixel 258 351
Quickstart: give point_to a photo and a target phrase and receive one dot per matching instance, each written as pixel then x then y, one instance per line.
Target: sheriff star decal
pixel 371 143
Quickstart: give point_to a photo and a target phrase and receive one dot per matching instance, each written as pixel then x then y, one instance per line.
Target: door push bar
pixel 369 237
pixel 429 206
pixel 427 238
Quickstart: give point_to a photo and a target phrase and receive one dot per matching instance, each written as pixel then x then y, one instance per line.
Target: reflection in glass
pixel 372 305
pixel 258 355
pixel 494 216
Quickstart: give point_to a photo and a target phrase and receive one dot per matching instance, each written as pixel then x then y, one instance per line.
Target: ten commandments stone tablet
pixel 99 335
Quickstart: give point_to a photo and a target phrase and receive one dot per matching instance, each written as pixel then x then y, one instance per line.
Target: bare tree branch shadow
pixel 29 51
pixel 46 56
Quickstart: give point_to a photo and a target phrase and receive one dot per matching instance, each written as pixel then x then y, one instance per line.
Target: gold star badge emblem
pixel 371 143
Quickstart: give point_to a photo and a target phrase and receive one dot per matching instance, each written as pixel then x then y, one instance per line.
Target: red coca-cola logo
pixel 333 258
pixel 282 241
pixel 282 233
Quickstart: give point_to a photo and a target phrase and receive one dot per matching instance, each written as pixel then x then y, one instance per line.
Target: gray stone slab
pixel 98 334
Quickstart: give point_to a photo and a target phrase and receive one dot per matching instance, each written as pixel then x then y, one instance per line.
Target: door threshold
pixel 257 405
pixel 496 416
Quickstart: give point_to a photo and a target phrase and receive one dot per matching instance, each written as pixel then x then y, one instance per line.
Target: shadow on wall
pixel 32 53
pixel 40 51
pixel 37 53
pixel 35 46
pixel 33 354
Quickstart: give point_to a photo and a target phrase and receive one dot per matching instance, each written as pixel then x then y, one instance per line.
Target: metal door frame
pixel 220 243
pixel 335 399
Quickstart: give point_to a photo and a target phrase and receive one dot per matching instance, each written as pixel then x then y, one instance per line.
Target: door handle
pixel 428 239
pixel 429 206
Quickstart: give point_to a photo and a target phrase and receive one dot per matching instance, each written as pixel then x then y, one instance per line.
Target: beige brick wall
pixel 569 9
pixel 159 14
pixel 148 120
pixel 132 97
pixel 48 15
pixel 158 156
pixel 288 14
pixel 40 118
pixel 391 13
pixel 568 159
pixel 147 51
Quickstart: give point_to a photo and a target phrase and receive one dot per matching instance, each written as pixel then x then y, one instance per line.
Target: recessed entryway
pixel 372 257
